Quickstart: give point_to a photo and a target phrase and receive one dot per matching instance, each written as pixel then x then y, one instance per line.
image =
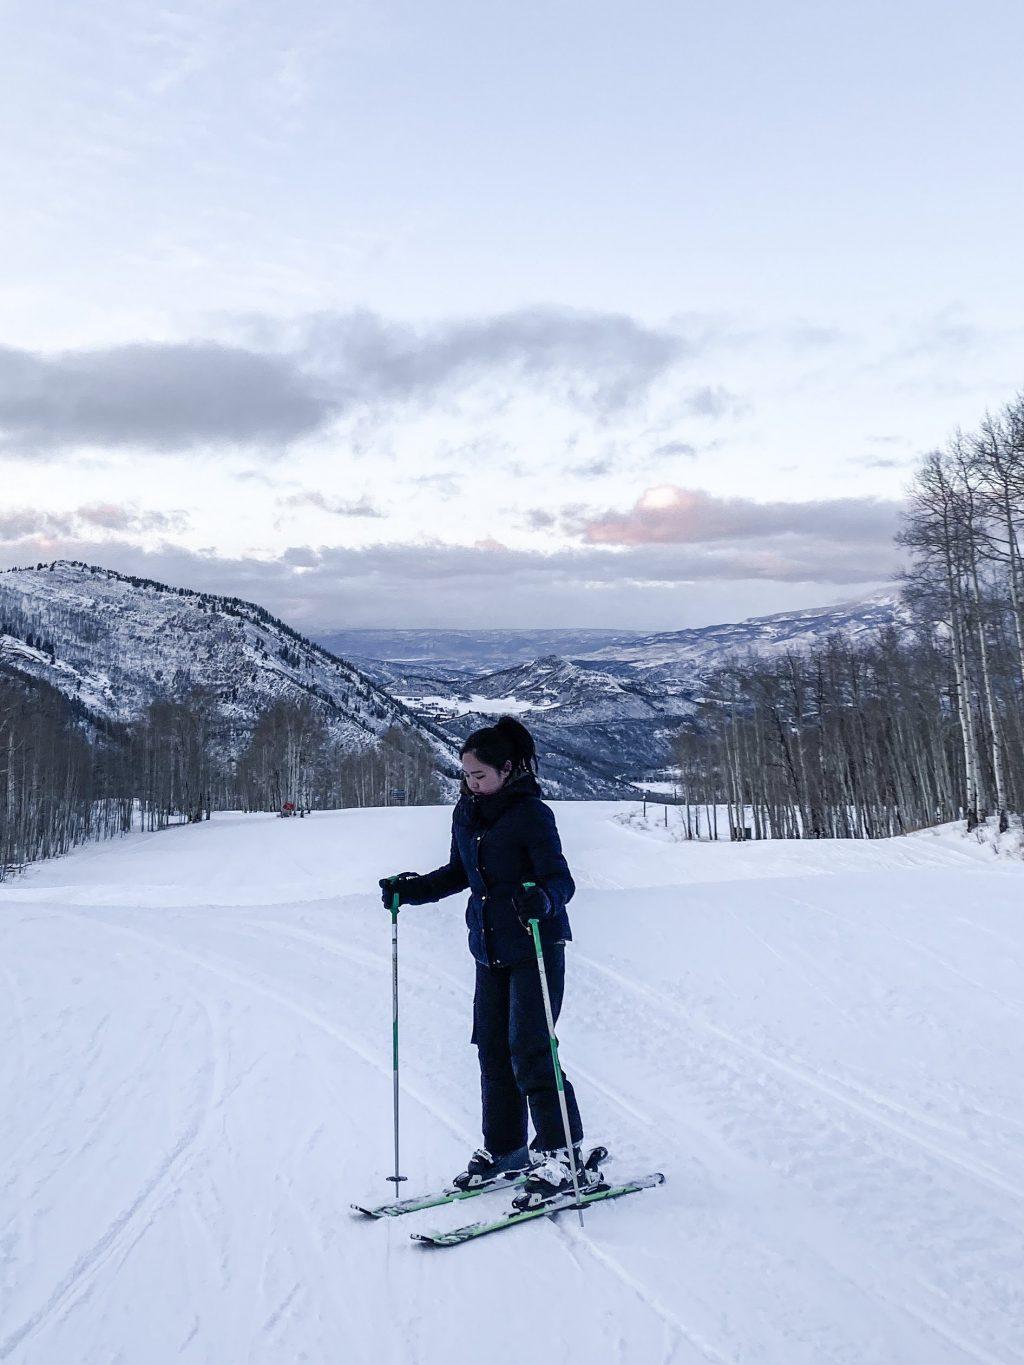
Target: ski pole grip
pixel 394 905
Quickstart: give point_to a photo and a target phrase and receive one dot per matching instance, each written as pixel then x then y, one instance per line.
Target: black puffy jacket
pixel 498 842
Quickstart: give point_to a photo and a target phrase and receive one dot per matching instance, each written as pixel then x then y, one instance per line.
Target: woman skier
pixel 503 835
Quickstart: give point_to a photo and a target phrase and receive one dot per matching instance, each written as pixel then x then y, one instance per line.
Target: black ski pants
pixel 516 1066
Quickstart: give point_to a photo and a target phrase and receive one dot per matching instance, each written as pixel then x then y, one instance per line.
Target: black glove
pixel 405 883
pixel 531 902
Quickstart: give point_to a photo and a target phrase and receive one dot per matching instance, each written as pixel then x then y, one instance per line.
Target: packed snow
pixel 818 1043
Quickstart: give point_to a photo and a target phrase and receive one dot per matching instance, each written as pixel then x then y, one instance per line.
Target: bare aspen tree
pixel 976 543
pixel 998 458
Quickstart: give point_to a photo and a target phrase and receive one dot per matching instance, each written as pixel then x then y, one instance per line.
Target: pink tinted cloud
pixel 669 515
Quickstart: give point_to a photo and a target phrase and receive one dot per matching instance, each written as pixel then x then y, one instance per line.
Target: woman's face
pixel 481 778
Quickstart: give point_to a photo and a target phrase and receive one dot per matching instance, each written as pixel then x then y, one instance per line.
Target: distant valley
pixel 605 706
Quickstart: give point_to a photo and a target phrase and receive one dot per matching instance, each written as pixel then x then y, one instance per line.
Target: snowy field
pixel 819 1044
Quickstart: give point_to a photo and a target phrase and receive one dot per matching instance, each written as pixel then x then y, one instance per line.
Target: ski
pixel 557 1205
pixel 451 1194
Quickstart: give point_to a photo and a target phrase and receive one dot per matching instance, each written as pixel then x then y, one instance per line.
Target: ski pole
pixel 559 1079
pixel 396 1178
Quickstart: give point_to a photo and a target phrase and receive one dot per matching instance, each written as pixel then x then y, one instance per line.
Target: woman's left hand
pixel 531 902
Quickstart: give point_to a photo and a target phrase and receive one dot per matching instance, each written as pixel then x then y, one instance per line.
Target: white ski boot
pixel 550 1178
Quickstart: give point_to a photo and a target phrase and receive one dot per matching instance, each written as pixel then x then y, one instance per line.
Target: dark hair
pixel 506 741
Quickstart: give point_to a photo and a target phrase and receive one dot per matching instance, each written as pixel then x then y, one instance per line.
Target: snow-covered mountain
pixel 595 731
pixel 112 643
pixel 706 647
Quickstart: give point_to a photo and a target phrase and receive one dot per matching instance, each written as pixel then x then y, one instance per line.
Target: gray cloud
pixel 947 331
pixel 111 516
pixel 261 476
pixel 31 522
pixel 336 506
pixel 599 360
pixel 24 522
pixel 595 468
pixel 714 402
pixel 674 448
pixel 300 557
pixel 881 462
pixel 950 337
pixel 293 379
pixel 156 396
pixel 447 485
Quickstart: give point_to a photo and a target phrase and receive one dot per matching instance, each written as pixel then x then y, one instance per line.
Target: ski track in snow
pixel 328 944
pixel 669 1006
pixel 817 1043
pixel 861 1103
pixel 75 1285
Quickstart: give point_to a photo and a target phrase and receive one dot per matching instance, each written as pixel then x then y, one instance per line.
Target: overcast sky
pixel 453 314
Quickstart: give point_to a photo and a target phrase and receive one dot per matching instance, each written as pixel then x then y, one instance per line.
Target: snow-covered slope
pixel 564 691
pixel 818 1043
pixel 114 642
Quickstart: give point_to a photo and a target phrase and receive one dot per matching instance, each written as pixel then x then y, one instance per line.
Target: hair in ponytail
pixel 506 741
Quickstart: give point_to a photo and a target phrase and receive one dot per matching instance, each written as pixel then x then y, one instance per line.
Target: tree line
pixel 66 778
pixel 915 726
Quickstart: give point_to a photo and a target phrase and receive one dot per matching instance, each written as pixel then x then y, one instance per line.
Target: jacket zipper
pixel 479 866
pixel 483 900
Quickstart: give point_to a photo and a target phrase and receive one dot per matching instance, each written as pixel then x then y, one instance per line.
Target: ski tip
pixel 366 1213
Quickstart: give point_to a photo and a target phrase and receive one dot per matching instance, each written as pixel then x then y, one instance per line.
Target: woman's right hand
pixel 405 883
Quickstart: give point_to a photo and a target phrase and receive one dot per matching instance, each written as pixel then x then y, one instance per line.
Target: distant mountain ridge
pixel 479 649
pixel 113 642
pixel 470 654
pixel 605 706
pixel 711 645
